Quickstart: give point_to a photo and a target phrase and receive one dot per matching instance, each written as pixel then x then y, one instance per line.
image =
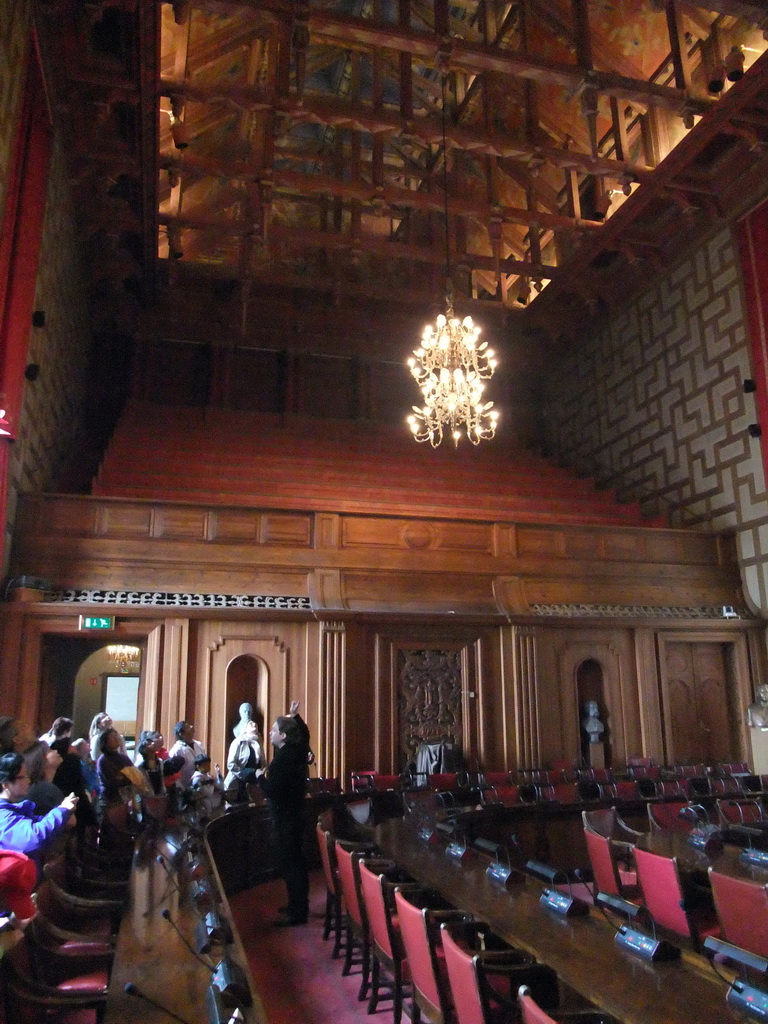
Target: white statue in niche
pixel 757 713
pixel 246 716
pixel 591 723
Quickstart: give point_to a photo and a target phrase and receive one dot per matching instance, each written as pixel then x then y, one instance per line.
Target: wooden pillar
pixel 525 706
pixel 175 665
pixel 330 748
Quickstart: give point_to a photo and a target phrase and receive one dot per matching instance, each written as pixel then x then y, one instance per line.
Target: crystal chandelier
pixel 451 369
pixel 126 657
pixel 450 366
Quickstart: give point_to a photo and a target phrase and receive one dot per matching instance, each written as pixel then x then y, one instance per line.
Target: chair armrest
pixel 439 916
pixel 626 832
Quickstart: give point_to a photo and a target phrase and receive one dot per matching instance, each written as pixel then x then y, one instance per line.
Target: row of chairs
pixel 647 879
pixel 60 968
pixel 734 908
pixel 414 948
pixel 683 816
pixel 372 781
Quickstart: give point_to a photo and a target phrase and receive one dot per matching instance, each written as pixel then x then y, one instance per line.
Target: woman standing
pixel 110 766
pixel 99 726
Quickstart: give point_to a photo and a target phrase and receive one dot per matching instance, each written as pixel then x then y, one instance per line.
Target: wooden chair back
pixel 430 985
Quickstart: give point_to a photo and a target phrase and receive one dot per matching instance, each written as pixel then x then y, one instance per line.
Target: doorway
pixel 699 695
pixel 74 681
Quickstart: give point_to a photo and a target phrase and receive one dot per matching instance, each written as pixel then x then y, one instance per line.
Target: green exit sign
pixel 97 622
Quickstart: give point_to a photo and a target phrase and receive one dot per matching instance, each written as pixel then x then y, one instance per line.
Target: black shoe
pixel 290 921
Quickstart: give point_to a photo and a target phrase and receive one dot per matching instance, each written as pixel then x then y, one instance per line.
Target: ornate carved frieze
pixel 167 599
pixel 575 611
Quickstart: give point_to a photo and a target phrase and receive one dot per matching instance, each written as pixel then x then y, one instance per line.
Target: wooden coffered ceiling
pixel 297 146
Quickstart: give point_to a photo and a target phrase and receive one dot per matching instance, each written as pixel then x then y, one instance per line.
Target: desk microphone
pixel 171 881
pixel 134 990
pixel 165 912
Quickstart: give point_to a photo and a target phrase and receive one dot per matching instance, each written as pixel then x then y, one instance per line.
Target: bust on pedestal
pixel 757 720
pixel 594 728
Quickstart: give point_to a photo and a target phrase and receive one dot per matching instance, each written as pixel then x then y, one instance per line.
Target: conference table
pixel 581 949
pixel 153 951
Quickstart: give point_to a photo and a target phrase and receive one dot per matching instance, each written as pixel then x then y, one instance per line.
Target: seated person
pixel 206 790
pixel 21 829
pixel 42 764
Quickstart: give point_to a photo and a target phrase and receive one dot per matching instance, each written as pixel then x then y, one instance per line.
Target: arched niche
pixel 590 686
pixel 603 683
pixel 245 682
pixel 241 667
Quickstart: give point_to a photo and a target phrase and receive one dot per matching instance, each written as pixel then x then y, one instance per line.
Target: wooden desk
pixel 152 955
pixel 581 949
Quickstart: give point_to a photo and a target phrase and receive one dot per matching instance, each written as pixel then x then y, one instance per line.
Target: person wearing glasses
pixel 21 828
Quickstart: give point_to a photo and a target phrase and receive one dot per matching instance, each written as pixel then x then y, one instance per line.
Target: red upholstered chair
pixel 495 779
pixel 623 789
pixel 506 795
pixel 387 949
pixel 671 788
pixel 332 921
pixel 483 983
pixel 445 781
pixel 725 786
pixel 357 933
pixel 665 817
pixel 55 959
pixel 362 781
pixel 742 909
pixel 430 996
pixel 532 1013
pixel 79 999
pixel 739 812
pixel 687 913
pixel 609 876
pixel 687 771
pixel 566 792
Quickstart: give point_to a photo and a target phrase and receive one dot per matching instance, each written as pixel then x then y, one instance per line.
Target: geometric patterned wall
pixel 51 419
pixel 50 424
pixel 653 405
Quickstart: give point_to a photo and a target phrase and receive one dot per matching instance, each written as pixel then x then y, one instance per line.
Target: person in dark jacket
pixel 285 786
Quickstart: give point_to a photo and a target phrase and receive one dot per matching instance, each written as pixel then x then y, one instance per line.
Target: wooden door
pixel 699 718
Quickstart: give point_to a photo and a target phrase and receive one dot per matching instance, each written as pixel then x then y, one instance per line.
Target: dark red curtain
pixel 22 226
pixel 752 234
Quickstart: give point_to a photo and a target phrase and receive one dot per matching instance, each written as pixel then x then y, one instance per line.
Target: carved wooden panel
pixel 180 523
pixel 429 698
pixel 699 725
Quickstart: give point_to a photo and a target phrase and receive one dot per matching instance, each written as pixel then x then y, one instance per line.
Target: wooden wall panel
pixel 561 651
